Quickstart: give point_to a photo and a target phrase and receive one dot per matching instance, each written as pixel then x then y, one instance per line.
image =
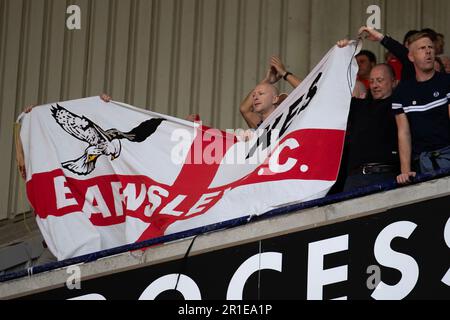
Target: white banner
pixel 101 175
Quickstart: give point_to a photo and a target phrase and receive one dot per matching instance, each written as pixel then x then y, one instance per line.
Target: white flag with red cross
pixel 101 175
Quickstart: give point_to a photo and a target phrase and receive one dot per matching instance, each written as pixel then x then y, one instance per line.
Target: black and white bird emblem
pixel 101 142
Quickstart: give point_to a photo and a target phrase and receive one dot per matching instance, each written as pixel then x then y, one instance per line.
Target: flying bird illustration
pixel 101 142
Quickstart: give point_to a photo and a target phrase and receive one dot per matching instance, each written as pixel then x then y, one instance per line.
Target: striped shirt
pixel 426 104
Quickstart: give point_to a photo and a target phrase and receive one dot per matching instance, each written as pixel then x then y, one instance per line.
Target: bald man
pixel 371 151
pixel 265 98
pixel 259 104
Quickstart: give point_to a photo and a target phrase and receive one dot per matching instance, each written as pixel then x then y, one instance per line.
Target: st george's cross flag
pixel 102 175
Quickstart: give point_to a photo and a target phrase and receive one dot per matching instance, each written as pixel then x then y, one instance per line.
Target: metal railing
pixel 328 200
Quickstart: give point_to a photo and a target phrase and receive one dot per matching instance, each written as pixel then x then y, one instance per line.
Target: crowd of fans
pixel 402 127
pixel 398 124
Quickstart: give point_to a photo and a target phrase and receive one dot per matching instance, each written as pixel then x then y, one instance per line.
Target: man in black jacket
pixel 371 142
